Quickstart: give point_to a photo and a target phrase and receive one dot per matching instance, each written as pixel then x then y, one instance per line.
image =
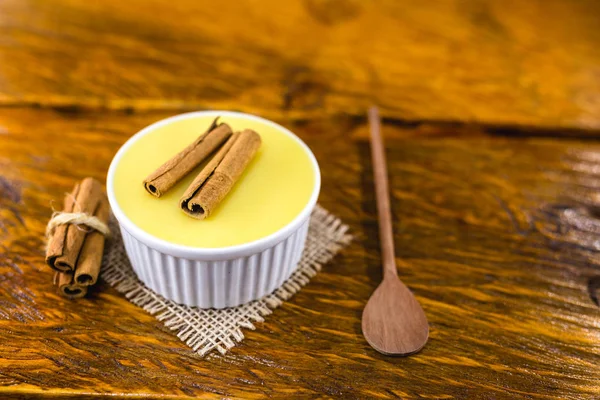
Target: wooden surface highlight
pixel 510 62
pixel 472 244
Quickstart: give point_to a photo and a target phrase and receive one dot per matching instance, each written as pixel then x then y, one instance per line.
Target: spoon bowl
pixel 393 322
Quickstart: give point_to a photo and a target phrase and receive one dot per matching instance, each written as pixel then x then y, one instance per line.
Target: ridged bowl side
pixel 216 284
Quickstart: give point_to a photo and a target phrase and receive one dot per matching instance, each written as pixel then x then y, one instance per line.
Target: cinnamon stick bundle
pixel 65 243
pixel 74 248
pixel 218 177
pixel 172 171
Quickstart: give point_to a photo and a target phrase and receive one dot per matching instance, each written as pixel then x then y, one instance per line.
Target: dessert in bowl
pixel 251 242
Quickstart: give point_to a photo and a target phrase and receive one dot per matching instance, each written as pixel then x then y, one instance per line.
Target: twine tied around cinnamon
pixel 76 218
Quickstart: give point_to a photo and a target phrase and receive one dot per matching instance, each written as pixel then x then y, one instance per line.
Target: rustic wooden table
pixel 492 112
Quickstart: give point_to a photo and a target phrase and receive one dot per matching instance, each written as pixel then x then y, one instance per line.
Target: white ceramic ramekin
pixel 219 277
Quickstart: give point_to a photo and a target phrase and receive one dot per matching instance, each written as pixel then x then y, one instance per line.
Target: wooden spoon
pixel 393 321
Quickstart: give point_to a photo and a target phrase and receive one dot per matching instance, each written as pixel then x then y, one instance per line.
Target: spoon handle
pixel 386 235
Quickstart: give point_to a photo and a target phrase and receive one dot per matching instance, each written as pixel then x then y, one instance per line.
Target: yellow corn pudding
pixel 272 191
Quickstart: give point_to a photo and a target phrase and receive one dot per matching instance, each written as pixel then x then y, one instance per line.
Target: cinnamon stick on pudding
pixel 67 287
pixel 67 240
pixel 168 174
pixel 218 177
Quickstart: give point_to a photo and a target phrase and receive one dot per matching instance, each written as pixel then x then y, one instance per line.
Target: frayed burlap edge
pixel 205 330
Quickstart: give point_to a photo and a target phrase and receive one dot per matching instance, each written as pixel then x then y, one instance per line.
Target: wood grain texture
pixel 511 310
pixel 499 62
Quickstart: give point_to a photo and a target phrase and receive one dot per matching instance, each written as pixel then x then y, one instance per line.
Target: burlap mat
pixel 205 330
